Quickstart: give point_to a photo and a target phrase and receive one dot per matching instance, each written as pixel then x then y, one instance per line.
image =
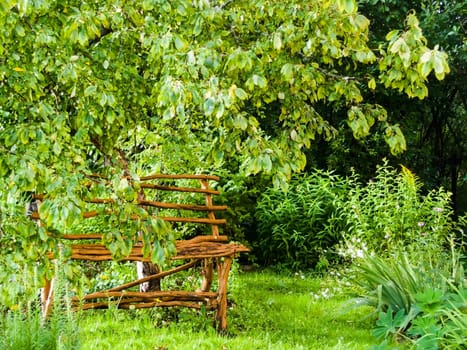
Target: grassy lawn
pixel 268 311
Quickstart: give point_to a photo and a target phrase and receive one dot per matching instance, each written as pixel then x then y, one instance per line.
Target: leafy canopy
pixel 79 78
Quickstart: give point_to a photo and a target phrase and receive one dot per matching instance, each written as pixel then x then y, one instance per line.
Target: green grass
pixel 268 311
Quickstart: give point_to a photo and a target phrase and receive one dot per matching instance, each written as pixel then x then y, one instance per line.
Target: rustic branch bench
pixel 211 250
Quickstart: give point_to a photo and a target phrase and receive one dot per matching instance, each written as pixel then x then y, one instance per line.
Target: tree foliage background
pixel 435 127
pixel 249 86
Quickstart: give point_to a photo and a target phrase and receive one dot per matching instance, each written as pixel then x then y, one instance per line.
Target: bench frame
pixel 212 252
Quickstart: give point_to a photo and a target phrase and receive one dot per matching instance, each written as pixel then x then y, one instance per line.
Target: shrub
pixel 298 226
pixel 389 213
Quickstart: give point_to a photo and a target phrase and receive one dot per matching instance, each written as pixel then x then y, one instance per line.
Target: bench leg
pixel 223 267
pixel 207 275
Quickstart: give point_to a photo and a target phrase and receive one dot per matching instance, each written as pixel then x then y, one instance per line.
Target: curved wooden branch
pixel 156 276
pixel 161 295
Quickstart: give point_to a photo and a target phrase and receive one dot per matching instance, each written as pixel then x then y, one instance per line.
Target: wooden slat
pixel 164 205
pixel 180 176
pixel 192 207
pixel 82 236
pixel 90 214
pixel 208 201
pixel 196 220
pixel 105 304
pixel 106 258
pixel 178 189
pixel 155 187
pixel 185 250
pixel 183 247
pixel 197 239
pixel 155 276
pixel 180 295
pixel 189 304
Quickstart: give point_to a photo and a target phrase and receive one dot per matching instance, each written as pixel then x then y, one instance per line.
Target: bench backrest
pixel 177 199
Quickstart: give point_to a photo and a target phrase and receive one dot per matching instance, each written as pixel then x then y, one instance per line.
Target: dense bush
pixel 298 227
pixel 385 215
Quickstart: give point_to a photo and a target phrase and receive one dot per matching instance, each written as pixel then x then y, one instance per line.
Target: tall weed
pixel 390 214
pixel 22 326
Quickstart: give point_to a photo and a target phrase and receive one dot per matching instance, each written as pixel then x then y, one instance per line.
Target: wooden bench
pixel 209 251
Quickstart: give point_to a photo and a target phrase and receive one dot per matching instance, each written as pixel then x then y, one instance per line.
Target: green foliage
pixel 436 142
pixel 389 282
pixel 23 327
pixel 385 215
pixel 85 86
pixel 409 62
pixel 296 227
pixel 390 212
pixel 423 305
pixel 107 275
pixel 27 331
pixel 390 324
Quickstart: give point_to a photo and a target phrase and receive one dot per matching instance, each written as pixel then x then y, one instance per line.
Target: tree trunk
pixel 145 269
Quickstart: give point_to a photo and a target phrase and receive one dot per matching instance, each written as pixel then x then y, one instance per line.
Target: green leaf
pixel 90 90
pixel 347 6
pixel 259 80
pixel 209 105
pixel 218 156
pixel 392 35
pixel 438 65
pixel 293 135
pixel 267 163
pixel 287 71
pixel 395 139
pixel 277 41
pixel 398 45
pixel 430 302
pixel 388 323
pixel 180 43
pixel 425 68
pixel 241 94
pixel 240 122
pixel 103 99
pixel 158 254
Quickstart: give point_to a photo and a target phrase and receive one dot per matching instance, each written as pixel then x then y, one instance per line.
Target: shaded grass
pixel 268 311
